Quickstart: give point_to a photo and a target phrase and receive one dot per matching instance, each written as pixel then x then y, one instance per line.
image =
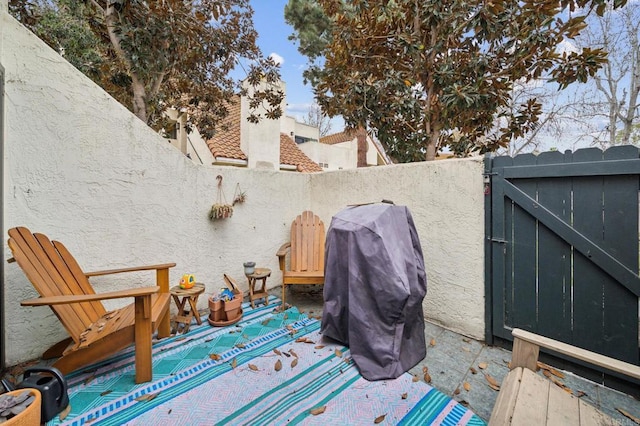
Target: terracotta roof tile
pixel 226 142
pixel 346 136
pixel 292 155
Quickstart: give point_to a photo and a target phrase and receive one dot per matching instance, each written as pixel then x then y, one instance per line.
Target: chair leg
pixel 284 288
pixel 143 330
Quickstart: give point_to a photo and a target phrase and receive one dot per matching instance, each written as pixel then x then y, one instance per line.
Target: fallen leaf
pixel 415 378
pixel 278 365
pixel 301 339
pixel 289 327
pixel 427 377
pixel 425 369
pixel 170 410
pixel 380 419
pixel 466 340
pixel 628 415
pixel 147 397
pixel 90 378
pixel 404 396
pixel 234 363
pixel 277 352
pixel 466 349
pixel 293 353
pixel 309 341
pixel 253 367
pixel 473 370
pixel 65 412
pixel 214 357
pixel 579 394
pixel 319 347
pixel 240 345
pixel 338 353
pixel 550 369
pixel 457 391
pixel 294 362
pixel 494 387
pixel 107 392
pixel 491 380
pixel 432 342
pixel 483 365
pixel 466 386
pixel 318 410
pixel 287 354
pixel 266 322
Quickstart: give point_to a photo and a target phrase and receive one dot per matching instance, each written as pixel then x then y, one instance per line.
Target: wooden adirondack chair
pixel 94 332
pixel 306 263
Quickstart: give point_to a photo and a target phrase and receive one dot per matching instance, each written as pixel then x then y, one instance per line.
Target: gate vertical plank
pixel 588 281
pixel 620 224
pixel 524 255
pixel 502 284
pixel 554 255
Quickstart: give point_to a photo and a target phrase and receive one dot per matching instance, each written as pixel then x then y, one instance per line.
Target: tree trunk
pixel 139 99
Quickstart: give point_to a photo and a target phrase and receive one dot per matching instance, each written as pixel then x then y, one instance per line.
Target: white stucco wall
pixel 338 156
pixel 82 169
pixel 446 201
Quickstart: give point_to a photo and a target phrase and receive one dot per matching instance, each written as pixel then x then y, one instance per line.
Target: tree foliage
pixel 152 55
pixel 429 74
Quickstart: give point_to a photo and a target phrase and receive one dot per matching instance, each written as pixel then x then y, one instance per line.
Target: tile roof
pixel 346 136
pixel 226 141
pixel 292 155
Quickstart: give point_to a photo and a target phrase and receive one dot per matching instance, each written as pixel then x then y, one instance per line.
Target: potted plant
pixel 249 267
pixel 221 211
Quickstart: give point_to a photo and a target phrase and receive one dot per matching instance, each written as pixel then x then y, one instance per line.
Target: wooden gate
pixel 562 248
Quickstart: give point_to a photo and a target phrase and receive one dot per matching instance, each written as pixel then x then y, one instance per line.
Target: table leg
pixel 193 301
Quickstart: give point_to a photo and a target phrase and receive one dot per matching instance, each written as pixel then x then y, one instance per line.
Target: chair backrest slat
pixel 51 276
pixel 307 243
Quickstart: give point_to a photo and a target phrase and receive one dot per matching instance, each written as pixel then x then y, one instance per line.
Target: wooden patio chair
pixel 526 398
pixel 94 332
pixel 306 263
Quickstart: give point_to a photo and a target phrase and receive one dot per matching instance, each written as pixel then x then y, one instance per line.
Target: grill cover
pixel 374 285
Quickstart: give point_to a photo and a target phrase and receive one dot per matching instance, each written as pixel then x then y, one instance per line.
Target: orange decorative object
pixel 187 281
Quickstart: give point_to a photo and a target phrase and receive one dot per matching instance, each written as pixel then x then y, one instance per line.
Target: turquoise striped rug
pixel 271 368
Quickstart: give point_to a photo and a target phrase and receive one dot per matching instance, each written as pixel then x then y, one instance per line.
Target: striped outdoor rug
pixel 271 368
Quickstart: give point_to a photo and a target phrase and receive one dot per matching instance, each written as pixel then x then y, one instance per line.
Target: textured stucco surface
pixel 82 169
pixel 446 201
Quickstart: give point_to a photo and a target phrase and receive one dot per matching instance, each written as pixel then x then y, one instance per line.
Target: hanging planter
pixel 239 196
pixel 220 209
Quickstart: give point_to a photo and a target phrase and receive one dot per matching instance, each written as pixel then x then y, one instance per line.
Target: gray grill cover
pixel 373 290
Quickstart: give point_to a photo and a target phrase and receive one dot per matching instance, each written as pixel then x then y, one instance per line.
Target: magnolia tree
pixel 152 55
pixel 426 74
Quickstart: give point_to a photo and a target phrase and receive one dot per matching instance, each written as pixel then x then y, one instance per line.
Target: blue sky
pixel 273 33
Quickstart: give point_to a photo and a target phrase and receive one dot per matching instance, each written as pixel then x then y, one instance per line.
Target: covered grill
pixel 375 282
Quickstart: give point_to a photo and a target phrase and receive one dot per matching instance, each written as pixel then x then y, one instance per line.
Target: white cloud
pixel 277 58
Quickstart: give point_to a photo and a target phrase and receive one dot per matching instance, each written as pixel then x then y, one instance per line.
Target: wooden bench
pixel 527 398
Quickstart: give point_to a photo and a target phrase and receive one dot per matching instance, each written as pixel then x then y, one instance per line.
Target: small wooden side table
pixel 185 315
pixel 259 274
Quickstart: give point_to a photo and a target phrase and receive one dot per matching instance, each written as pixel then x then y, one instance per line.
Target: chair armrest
pixel 283 250
pixel 526 346
pixel 132 269
pixel 62 300
pixel 282 253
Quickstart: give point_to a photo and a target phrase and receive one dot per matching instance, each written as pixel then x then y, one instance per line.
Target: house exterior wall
pixel 291 127
pixel 338 156
pixel 81 168
pixel 260 141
